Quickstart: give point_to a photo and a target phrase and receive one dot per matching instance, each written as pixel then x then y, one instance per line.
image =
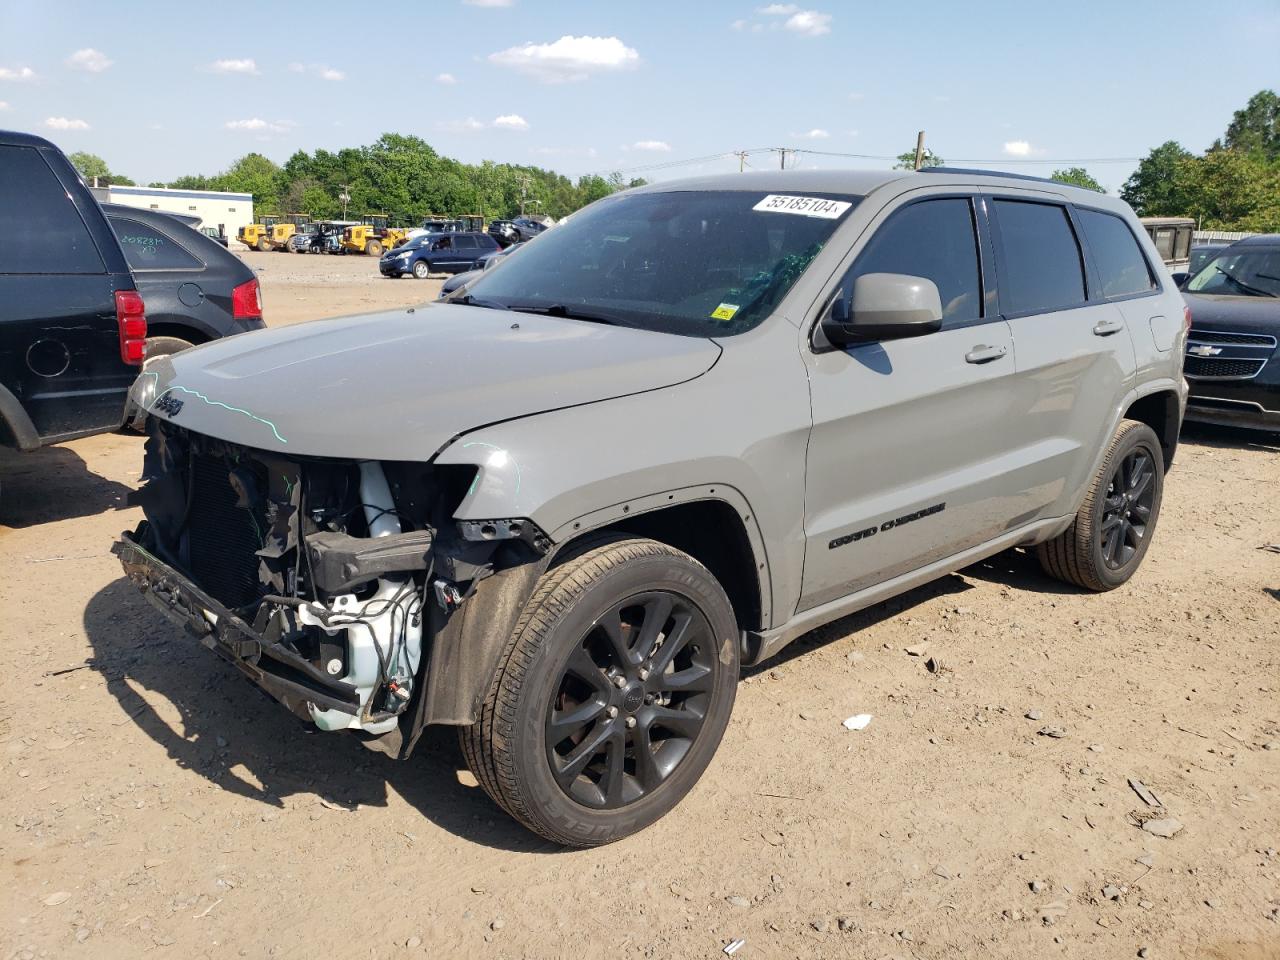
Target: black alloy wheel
pixel 1126 509
pixel 631 701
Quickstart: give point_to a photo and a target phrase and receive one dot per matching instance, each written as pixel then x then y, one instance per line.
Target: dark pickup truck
pixel 72 324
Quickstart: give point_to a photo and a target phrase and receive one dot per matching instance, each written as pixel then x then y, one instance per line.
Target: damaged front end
pixel 335 585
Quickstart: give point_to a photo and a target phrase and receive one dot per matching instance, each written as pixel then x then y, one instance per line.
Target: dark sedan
pixel 194 289
pixel 1232 363
pixel 437 253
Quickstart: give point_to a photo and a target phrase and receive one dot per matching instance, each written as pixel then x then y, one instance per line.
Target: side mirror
pixel 884 306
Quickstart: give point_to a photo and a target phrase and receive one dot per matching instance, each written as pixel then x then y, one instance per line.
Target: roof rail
pixel 992 173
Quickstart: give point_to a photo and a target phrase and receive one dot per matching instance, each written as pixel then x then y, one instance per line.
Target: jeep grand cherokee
pixel 690 424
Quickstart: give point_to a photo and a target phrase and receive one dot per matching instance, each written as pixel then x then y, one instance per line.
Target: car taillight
pixel 131 317
pixel 246 301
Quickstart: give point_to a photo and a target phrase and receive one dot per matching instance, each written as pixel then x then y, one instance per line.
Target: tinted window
pixel 466 243
pixel 1122 269
pixel 40 229
pixel 148 249
pixel 1041 267
pixel 934 239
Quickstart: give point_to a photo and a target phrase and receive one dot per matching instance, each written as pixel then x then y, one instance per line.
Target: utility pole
pixel 742 159
pixel 524 186
pixel 919 149
pixel 782 157
pixel 345 197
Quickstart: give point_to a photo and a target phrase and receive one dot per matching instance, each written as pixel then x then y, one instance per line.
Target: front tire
pixel 422 269
pixel 612 695
pixel 1113 528
pixel 373 248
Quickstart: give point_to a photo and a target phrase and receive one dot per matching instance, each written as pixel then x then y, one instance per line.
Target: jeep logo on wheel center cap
pixel 633 698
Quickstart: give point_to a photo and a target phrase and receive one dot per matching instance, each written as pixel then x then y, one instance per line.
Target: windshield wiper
pixel 572 313
pixel 1257 291
pixel 467 300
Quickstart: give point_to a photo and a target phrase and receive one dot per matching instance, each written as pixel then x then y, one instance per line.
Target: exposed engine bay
pixel 326 581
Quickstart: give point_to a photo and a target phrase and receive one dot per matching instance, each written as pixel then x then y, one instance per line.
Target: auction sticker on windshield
pixel 804 206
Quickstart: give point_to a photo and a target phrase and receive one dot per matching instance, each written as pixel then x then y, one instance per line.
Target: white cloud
pixel 652 146
pixel 319 69
pixel 95 61
pixel 17 73
pixel 817 133
pixel 448 79
pixel 508 121
pixel 258 125
pixel 489 3
pixel 779 9
pixel 3 106
pixel 234 66
pixel 511 121
pixel 1020 148
pixel 65 123
pixel 809 22
pixel 569 58
pixel 329 73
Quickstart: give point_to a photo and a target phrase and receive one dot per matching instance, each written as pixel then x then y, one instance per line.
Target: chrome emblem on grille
pixel 1204 350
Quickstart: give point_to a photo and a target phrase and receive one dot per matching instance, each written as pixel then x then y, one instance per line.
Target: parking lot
pixel 156 804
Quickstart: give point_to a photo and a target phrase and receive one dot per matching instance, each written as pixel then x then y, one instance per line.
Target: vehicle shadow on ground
pixel 53 483
pixel 1210 435
pixel 236 737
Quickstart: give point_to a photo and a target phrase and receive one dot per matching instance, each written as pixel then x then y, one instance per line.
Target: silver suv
pixel 562 508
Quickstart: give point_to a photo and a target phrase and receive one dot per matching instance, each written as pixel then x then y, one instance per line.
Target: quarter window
pixel 42 230
pixel 1122 269
pixel 934 239
pixel 1041 269
pixel 148 249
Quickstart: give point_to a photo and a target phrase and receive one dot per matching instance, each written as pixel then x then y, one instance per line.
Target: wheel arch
pixel 183 331
pixel 1161 410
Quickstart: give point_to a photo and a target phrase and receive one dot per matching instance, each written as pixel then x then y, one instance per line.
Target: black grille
pixel 223 536
pixel 1244 339
pixel 1215 367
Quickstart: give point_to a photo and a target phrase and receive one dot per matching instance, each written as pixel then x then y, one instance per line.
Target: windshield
pixel 695 263
pixel 1252 273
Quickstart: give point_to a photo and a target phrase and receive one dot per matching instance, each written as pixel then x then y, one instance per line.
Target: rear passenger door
pixel 909 459
pixel 1075 358
pixel 468 250
pixel 59 338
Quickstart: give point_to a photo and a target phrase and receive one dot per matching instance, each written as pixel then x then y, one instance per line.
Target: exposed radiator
pixel 223 536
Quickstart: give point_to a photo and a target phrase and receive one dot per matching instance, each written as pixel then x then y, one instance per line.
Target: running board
pixel 758 646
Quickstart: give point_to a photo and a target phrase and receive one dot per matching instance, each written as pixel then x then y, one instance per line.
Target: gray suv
pixel 699 419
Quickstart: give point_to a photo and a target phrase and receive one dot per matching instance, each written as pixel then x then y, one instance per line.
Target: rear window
pixel 1122 269
pixel 1041 258
pixel 146 248
pixel 40 228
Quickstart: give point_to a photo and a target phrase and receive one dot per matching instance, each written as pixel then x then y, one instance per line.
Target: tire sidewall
pixel 426 270
pixel 1138 437
pixel 547 802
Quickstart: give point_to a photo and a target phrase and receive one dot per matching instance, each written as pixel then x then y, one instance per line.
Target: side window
pixel 934 239
pixel 466 243
pixel 1041 268
pixel 148 249
pixel 1164 242
pixel 41 229
pixel 1122 269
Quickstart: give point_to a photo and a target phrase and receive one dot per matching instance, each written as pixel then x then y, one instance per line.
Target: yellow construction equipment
pixel 285 228
pixel 372 235
pixel 258 235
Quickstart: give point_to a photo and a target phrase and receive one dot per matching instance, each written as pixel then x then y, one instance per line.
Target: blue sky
pixel 161 90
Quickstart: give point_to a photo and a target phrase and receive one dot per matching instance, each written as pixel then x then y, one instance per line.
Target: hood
pixel 400 385
pixel 1234 314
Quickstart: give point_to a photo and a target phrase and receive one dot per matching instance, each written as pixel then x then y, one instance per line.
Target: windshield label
pixel 804 206
pixel 725 311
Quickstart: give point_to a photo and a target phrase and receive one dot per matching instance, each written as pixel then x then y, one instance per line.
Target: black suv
pixel 72 327
pixel 1233 352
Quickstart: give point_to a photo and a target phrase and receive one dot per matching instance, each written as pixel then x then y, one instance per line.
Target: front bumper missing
pixel 275 668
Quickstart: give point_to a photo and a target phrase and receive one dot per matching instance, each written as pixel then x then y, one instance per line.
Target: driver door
pixel 908 459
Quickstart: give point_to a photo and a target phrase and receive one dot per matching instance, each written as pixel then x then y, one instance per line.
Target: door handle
pixel 985 354
pixel 1105 328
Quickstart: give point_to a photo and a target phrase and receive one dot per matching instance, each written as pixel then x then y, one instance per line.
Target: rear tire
pixel 164 346
pixel 263 244
pixel 1112 530
pixel 611 696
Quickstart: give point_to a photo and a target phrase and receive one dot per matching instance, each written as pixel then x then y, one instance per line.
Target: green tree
pixel 1077 177
pixel 1256 127
pixel 91 165
pixel 907 161
pixel 1231 190
pixel 1154 188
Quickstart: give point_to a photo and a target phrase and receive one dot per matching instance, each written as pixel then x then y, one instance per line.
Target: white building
pixel 215 208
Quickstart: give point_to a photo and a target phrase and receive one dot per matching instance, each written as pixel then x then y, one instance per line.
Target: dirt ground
pixel 155 804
